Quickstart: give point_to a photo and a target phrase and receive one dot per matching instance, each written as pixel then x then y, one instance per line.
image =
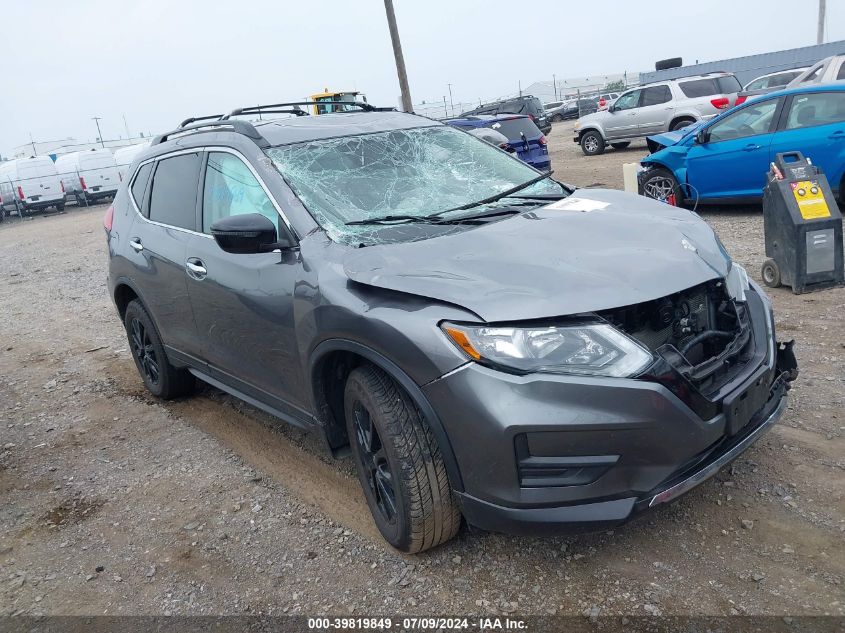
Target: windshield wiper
pixel 390 219
pixel 498 196
pixel 477 216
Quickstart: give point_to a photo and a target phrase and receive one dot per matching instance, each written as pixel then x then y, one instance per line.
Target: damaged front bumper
pixel 550 453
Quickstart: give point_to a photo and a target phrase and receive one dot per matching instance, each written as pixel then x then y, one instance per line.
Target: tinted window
pixel 819 108
pixel 139 185
pixel 173 199
pixel 655 95
pixel 728 84
pixel 514 107
pixel 749 121
pixel 231 189
pixel 512 128
pixel 700 88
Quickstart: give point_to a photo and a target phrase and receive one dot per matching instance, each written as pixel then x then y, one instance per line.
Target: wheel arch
pixel 124 292
pixel 683 116
pixel 331 361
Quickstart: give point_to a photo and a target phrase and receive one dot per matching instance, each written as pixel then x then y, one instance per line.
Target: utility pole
pixel 451 103
pixel 554 83
pixel 126 125
pixel 820 32
pixel 397 54
pixel 99 134
pixel 520 87
pixel 32 142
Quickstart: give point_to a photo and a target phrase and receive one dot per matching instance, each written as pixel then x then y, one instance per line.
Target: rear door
pixel 99 171
pixel 655 111
pixel 815 126
pixel 158 241
pixel 734 161
pixel 621 121
pixel 38 180
pixel 244 303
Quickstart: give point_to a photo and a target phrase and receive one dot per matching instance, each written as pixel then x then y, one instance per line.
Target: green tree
pixel 615 86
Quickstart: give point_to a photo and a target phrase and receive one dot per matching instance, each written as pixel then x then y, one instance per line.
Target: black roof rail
pixel 194 119
pixel 272 108
pixel 240 127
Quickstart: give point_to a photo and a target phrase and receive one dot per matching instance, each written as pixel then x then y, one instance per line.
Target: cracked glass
pixel 408 172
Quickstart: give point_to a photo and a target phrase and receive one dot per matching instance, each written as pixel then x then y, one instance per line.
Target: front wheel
pixel 399 463
pixel 592 143
pixel 661 184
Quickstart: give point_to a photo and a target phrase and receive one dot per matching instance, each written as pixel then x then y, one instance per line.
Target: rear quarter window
pixel 139 185
pixel 710 86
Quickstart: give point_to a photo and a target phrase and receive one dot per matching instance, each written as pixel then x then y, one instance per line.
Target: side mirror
pixel 701 137
pixel 249 233
pixel 611 108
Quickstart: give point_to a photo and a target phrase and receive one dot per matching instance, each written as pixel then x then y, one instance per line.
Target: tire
pixel 770 272
pixel 592 143
pixel 165 381
pixel 659 183
pixel 665 64
pixel 556 118
pixel 60 207
pixel 681 123
pixel 621 145
pixel 399 463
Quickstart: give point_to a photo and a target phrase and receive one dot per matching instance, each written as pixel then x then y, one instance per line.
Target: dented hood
pixel 595 250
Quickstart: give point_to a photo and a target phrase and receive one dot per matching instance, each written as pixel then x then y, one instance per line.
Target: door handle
pixel 135 243
pixel 750 147
pixel 195 268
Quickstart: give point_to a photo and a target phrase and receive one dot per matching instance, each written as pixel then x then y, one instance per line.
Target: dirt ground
pixel 114 503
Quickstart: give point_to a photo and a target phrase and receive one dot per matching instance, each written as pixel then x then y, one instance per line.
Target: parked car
pixel 487 341
pixel 525 104
pixel 825 71
pixel 574 108
pixel 523 137
pixel 124 156
pixel 89 175
pixel 605 100
pixel 658 107
pixel 727 158
pixel 553 110
pixel 767 83
pixel 29 184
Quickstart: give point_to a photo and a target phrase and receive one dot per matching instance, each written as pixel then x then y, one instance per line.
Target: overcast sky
pixel 158 61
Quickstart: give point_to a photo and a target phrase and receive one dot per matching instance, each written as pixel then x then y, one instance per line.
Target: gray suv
pixel 655 108
pixel 489 343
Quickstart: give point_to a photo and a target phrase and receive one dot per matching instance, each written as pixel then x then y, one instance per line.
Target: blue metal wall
pixel 751 66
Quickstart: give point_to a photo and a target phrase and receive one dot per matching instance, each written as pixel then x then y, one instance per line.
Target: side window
pixel 628 100
pixel 841 73
pixel 749 121
pixel 173 197
pixel 817 108
pixel 655 95
pixel 231 189
pixel 139 185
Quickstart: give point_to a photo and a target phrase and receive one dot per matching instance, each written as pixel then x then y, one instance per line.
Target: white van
pixel 125 155
pixel 88 175
pixel 27 184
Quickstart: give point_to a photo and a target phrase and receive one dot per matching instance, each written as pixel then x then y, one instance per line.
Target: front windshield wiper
pixel 498 196
pixel 389 219
pixel 434 218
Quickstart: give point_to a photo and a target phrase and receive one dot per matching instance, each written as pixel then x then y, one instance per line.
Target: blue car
pixel 725 160
pixel 523 136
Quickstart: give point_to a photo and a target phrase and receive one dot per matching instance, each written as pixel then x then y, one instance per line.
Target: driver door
pixel 622 120
pixel 243 303
pixel 735 159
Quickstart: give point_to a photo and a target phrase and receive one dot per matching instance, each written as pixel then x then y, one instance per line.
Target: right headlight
pixel 595 349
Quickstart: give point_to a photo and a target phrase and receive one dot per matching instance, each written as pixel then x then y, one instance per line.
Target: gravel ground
pixel 114 503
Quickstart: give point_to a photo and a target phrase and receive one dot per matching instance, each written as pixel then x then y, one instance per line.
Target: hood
pixel 657 142
pixel 597 249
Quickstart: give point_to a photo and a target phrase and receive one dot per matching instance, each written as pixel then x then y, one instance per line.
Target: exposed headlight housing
pixel 593 349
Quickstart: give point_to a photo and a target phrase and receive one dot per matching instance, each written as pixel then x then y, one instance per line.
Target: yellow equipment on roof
pixel 346 96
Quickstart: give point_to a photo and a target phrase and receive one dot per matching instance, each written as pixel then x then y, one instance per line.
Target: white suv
pixel 654 108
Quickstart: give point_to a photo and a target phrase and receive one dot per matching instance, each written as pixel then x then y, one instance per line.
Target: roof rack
pixel 241 127
pixel 198 118
pixel 274 108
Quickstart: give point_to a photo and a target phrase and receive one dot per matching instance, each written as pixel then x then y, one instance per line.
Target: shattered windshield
pixel 411 172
